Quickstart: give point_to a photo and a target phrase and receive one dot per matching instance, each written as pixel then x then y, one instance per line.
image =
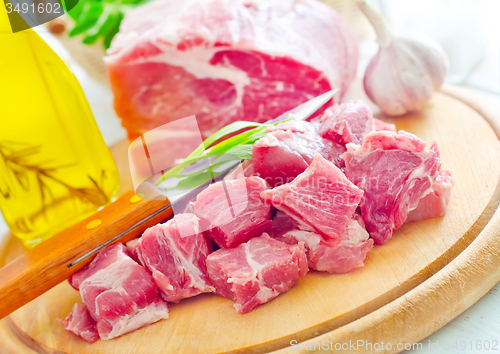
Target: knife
pixel 56 259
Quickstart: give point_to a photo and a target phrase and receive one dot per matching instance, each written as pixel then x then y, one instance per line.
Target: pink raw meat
pixel 381 125
pixel 233 210
pixel 132 249
pixel 120 295
pixel 226 60
pixel 257 271
pixel 80 323
pixel 296 126
pixel 175 253
pixel 282 223
pixel 323 255
pixel 434 204
pixel 347 123
pixel 320 199
pixel 282 155
pixel 395 171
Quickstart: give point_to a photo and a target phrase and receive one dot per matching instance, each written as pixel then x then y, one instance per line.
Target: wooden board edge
pixel 10 342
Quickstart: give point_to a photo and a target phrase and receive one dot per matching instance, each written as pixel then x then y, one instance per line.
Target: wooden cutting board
pixel 425 276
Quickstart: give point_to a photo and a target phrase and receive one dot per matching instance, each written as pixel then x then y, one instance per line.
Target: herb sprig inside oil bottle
pixel 55 168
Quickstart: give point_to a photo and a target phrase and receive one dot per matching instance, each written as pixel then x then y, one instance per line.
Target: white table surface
pixel 481 322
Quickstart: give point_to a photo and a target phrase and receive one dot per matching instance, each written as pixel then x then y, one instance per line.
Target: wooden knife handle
pixel 50 262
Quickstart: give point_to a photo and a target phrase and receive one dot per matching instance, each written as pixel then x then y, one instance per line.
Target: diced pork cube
pixel 80 323
pixel 395 171
pixel 343 257
pixel 120 294
pixel 175 253
pixel 281 156
pixel 233 210
pixel 434 204
pixel 347 123
pixel 257 271
pixel 321 199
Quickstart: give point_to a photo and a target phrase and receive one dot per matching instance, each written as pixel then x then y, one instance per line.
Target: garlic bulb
pixel 405 72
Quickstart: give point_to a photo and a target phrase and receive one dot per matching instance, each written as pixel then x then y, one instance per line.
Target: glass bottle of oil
pixel 55 168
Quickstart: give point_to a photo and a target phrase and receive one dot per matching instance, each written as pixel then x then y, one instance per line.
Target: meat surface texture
pixel 395 171
pixel 175 253
pixel 120 294
pixel 347 123
pixel 226 60
pixel 321 199
pixel 325 256
pixel 132 249
pixel 257 271
pixel 282 155
pixel 80 323
pixel 233 211
pixel 282 223
pixel 381 125
pixel 434 204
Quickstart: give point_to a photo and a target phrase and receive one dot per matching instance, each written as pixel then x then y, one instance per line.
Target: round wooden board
pixel 429 273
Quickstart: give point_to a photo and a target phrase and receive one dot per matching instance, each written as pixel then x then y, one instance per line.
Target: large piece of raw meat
pixel 226 60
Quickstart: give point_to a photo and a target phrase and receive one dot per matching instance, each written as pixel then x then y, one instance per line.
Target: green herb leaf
pixel 198 179
pixel 227 130
pixel 96 19
pixel 89 16
pixel 237 147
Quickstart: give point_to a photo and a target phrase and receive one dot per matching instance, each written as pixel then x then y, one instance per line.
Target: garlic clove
pixel 405 72
pixel 433 58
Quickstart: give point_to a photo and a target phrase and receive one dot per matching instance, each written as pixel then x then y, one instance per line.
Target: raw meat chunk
pixel 320 199
pixel 120 295
pixel 380 125
pixel 343 257
pixel 80 323
pixel 282 223
pixel 257 271
pixel 434 204
pixel 347 123
pixel 233 210
pixel 296 126
pixel 175 253
pixel 132 249
pixel 395 171
pixel 226 60
pixel 281 156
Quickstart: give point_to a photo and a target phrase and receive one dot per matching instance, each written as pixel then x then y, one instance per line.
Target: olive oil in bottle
pixel 55 168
